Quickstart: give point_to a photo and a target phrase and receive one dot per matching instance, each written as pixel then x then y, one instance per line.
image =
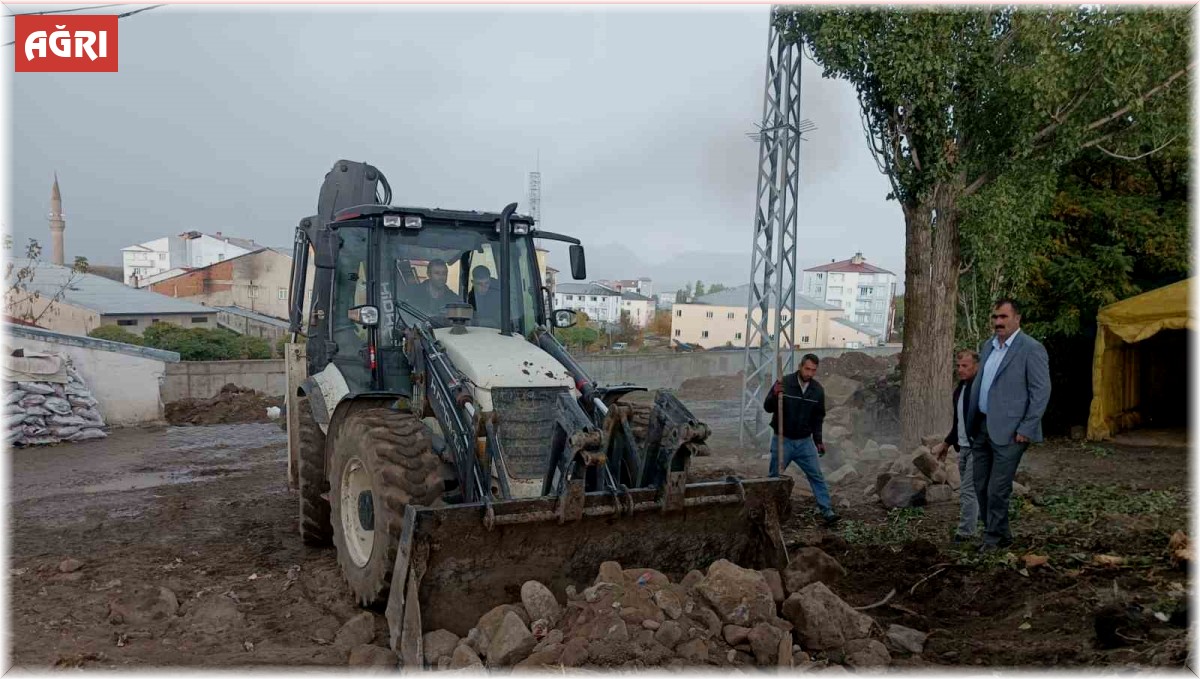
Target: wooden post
pixel 779 412
pixel 295 362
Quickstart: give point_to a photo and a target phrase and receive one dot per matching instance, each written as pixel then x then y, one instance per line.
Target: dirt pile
pixel 233 405
pixel 857 366
pixel 636 617
pixel 712 388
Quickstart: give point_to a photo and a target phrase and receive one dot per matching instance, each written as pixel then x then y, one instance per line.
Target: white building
pixel 642 286
pixel 863 291
pixel 640 308
pixel 145 263
pixel 600 303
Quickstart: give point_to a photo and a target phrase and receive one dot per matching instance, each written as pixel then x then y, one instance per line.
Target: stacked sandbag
pixel 41 413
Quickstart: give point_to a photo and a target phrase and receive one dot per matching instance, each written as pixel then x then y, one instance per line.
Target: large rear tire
pixel 382 462
pixel 315 527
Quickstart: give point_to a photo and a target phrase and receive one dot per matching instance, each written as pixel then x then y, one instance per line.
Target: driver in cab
pixel 485 297
pixel 433 294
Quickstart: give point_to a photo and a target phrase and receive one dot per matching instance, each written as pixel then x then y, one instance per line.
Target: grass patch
pixel 1087 503
pixel 901 526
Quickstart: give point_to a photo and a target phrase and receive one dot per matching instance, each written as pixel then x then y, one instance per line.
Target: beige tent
pixel 1139 368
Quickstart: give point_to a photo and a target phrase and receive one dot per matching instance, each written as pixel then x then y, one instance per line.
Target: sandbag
pixel 37 411
pixel 11 421
pixel 40 440
pixel 77 390
pixel 35 421
pixel 30 430
pixel 64 432
pixel 14 409
pixel 58 405
pixel 32 400
pixel 36 388
pixel 67 421
pixel 59 390
pixel 83 402
pixel 91 415
pixel 14 395
pixel 87 434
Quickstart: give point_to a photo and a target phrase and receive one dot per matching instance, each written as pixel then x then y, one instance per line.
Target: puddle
pixel 139 481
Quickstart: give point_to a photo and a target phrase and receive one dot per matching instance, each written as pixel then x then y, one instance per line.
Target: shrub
pixel 113 333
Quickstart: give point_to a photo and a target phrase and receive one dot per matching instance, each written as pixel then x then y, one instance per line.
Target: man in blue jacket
pixel 803 414
pixel 1008 399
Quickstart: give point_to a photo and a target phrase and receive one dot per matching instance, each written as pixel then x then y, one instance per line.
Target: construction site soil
pixel 178 546
pixel 232 405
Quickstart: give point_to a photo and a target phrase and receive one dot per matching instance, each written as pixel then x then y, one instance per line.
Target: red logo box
pixel 66 44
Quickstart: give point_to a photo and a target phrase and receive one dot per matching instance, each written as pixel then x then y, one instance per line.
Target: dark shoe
pixel 962 539
pixel 988 548
pixel 831 520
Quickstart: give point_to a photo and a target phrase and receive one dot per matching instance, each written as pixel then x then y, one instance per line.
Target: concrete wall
pixel 204 379
pixel 125 379
pixel 669 371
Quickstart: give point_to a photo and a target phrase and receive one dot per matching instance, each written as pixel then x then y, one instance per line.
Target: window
pixel 708 314
pixel 199 319
pixel 253 291
pixel 866 292
pixel 704 333
pixel 679 313
pixel 593 299
pixel 804 339
pixel 818 289
pixel 127 322
pixel 570 298
pixel 281 293
pixel 878 318
pixel 220 258
pixel 153 320
pixel 820 276
pixel 162 256
pixel 737 335
pixel 729 315
pixel 677 332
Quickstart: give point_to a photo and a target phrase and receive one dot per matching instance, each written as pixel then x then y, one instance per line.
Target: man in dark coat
pixel 803 414
pixel 966 365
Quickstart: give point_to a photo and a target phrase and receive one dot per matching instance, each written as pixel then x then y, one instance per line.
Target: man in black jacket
pixel 966 365
pixel 803 413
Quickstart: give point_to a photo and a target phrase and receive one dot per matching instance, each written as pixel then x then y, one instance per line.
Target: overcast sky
pixel 227 119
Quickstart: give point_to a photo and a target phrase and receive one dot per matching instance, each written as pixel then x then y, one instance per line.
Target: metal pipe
pixel 505 269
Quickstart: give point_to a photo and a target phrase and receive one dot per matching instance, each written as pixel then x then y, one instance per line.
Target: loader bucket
pixel 451 568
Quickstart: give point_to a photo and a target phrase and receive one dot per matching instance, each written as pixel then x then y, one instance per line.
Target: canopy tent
pixel 1136 366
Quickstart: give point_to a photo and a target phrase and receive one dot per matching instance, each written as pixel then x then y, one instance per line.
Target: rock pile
pixel 637 617
pixel 58 408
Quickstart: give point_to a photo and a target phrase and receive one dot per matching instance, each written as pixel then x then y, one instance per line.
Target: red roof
pixel 849 266
pixel 19 321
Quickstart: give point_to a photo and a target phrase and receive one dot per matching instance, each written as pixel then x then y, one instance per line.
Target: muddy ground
pixel 205 512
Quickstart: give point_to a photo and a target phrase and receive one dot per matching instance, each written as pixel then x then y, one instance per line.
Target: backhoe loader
pixel 448 446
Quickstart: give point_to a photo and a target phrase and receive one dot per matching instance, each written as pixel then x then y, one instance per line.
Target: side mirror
pixel 578 263
pixel 564 318
pixel 326 248
pixel 367 316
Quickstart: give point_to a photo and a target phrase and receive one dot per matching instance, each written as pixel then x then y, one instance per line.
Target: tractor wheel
pixel 315 529
pixel 382 462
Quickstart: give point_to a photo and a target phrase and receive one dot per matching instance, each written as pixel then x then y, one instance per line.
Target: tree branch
pixel 977 184
pixel 1148 153
pixel 1117 114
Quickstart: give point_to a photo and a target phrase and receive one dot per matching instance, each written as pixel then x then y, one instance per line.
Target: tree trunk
pixel 930 305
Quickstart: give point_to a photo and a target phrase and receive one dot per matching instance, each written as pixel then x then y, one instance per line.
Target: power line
pixel 63 11
pixel 119 16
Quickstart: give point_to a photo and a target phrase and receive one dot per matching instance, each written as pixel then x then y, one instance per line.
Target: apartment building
pixel 865 292
pixel 719 320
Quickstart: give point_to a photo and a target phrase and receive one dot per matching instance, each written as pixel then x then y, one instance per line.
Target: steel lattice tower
pixel 771 309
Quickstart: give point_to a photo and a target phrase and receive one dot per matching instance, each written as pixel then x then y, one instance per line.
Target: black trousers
pixel 995 466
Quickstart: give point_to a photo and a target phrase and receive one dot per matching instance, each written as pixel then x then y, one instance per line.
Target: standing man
pixel 1007 403
pixel 966 365
pixel 803 413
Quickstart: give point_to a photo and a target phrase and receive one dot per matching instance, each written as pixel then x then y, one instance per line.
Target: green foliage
pixel 202 344
pixel 699 291
pixel 1088 503
pixel 114 333
pixel 280 345
pixel 902 525
pixel 715 288
pixel 580 337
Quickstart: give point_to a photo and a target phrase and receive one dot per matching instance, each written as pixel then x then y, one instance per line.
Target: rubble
pixel 727 616
pixel 906 639
pixel 369 655
pixel 810 565
pixel 357 631
pixel 56 407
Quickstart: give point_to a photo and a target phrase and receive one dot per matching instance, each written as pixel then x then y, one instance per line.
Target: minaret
pixel 57 225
